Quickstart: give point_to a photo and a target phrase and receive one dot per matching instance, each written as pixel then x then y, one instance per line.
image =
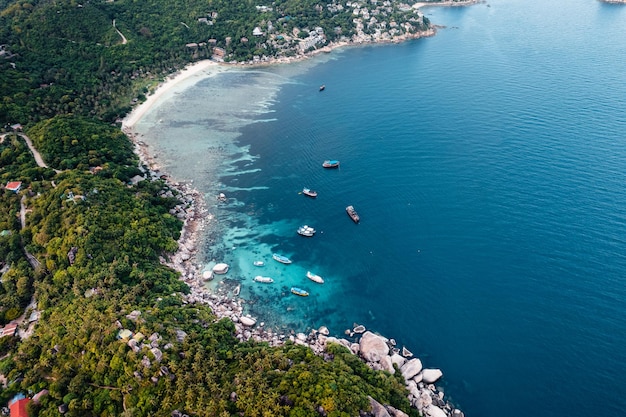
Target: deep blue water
pixel 488 164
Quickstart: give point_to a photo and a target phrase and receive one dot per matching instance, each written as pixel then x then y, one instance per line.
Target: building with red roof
pixel 9 330
pixel 17 406
pixel 14 186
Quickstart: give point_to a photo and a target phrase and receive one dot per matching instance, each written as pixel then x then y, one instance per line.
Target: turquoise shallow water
pixel 488 165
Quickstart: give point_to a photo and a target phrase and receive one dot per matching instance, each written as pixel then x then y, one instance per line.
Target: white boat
pixel 282 259
pixel 266 280
pixel 314 278
pixel 353 214
pixel 305 230
pixel 259 263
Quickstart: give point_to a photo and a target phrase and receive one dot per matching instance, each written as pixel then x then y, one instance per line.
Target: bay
pixel 488 166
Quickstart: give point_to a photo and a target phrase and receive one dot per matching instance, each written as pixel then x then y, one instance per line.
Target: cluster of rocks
pixel 381 353
pixel 378 352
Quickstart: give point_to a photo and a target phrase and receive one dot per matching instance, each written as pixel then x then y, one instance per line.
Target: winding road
pixel 38 159
pixel 40 162
pixel 124 40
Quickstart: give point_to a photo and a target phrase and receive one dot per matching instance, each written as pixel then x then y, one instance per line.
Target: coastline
pixel 448 3
pixel 192 210
pixel 172 80
pixel 224 301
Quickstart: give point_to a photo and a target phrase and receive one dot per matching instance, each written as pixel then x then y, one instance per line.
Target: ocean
pixel 488 166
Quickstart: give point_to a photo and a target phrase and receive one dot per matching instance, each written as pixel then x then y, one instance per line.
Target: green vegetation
pixel 90 249
pixel 74 142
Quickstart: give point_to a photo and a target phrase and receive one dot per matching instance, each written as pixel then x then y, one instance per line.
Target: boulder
pixel 425 398
pixel 372 347
pixel 133 315
pixel 434 411
pixel 359 329
pixel 332 340
pixel 393 412
pixel 411 386
pixel 398 360
pixel 411 368
pixel 180 335
pixel 430 376
pixel 324 331
pixel 377 409
pixel 418 378
pixel 220 268
pixel 387 364
pixel 247 321
pixel 157 354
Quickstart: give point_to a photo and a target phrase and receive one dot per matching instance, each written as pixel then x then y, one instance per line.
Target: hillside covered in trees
pixel 88 251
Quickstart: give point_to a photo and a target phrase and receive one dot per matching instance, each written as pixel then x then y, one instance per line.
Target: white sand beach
pixel 205 67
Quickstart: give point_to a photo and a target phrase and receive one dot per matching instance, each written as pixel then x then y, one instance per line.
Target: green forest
pixel 88 253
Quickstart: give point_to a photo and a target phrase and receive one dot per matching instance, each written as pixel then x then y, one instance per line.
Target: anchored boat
pixel 353 214
pixel 330 163
pixel 299 291
pixel 308 192
pixel 306 231
pixel 266 280
pixel 314 278
pixel 282 259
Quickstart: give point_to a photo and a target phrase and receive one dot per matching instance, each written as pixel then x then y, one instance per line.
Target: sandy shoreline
pixel 224 302
pixel 184 260
pixel 195 214
pixel 138 112
pixel 210 67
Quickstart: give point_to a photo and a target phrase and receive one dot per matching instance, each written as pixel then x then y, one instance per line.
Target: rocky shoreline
pixel 379 352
